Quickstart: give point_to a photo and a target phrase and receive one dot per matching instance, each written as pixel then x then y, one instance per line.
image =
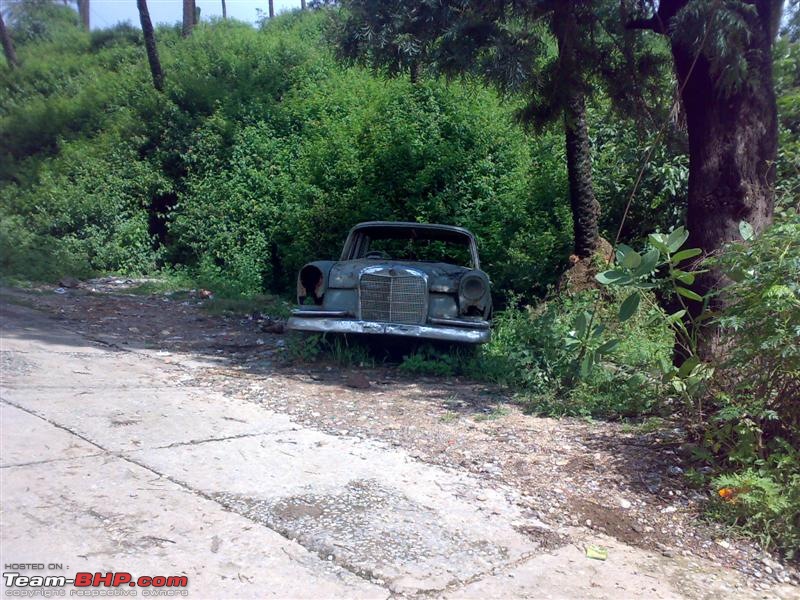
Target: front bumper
pixel 465 332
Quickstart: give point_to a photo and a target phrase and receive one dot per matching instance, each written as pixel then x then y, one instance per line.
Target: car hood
pixel 345 274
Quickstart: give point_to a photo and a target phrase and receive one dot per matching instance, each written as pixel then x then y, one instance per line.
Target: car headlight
pixel 473 287
pixel 310 283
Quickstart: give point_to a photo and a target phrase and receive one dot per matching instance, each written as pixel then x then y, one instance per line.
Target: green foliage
pixel 619 147
pixel 263 151
pixel 304 348
pixel 427 360
pixel 264 196
pixel 260 156
pixel 85 213
pixel 787 89
pixel 744 411
pixel 343 350
pixel 41 20
pixel 757 503
pixel 761 324
pixel 531 352
pixel 721 33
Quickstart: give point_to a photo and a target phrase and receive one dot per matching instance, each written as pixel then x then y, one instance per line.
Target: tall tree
pixel 508 42
pixel 189 17
pixel 271 9
pixel 83 11
pixel 585 209
pixel 224 10
pixel 150 45
pixel 302 4
pixel 8 45
pixel 722 53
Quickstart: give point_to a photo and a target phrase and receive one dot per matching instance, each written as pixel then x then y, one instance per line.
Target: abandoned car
pixel 404 279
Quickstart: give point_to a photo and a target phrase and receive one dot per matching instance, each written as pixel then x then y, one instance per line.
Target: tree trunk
pixel 585 208
pixel 732 150
pixel 271 9
pixel 733 140
pixel 302 4
pixel 150 45
pixel 8 45
pixel 414 71
pixel 188 17
pixel 83 11
pixel 224 10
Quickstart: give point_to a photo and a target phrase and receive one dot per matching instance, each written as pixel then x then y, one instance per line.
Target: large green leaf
pixel 648 264
pixel 677 238
pixel 622 251
pixel 607 346
pixel 688 366
pixel 632 259
pixel 580 325
pixel 684 254
pixel 613 277
pixel 586 365
pixel 683 276
pixel 659 242
pixel 629 306
pixel 746 230
pixel 676 316
pixel 689 294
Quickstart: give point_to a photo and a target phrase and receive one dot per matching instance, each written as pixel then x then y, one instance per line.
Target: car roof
pixel 416 230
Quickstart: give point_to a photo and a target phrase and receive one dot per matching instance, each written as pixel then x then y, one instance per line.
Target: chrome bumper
pixel 465 332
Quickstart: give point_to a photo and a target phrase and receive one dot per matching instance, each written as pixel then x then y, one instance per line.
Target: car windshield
pixel 418 250
pixel 413 244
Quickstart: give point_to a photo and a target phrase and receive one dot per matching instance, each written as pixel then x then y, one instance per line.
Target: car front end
pixel 368 295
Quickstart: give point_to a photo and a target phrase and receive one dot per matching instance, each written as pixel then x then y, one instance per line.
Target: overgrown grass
pixel 527 355
pixel 225 301
pixel 345 351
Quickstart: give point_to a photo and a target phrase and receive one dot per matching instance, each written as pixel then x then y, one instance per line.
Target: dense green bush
pixel 86 212
pixel 360 148
pixel 261 155
pixel 753 431
pixel 529 353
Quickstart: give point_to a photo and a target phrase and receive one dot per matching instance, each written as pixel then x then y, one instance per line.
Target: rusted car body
pixel 405 279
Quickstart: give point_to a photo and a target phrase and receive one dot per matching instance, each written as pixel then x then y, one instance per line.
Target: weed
pixel 496 413
pixel 449 417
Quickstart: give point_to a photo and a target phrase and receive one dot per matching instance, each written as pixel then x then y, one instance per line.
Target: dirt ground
pixel 570 474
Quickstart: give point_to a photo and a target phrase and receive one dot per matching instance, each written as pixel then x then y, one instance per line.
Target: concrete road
pixel 114 460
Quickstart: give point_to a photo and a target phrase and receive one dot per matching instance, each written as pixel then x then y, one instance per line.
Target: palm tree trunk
pixel 271 9
pixel 302 4
pixel 8 45
pixel 188 17
pixel 585 208
pixel 83 11
pixel 224 10
pixel 150 45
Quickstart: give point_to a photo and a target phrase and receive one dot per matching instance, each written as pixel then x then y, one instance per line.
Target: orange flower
pixel 727 494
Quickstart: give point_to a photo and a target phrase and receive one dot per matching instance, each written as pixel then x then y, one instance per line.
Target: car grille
pixel 398 299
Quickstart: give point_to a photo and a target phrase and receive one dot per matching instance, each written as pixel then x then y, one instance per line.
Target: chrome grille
pixel 399 299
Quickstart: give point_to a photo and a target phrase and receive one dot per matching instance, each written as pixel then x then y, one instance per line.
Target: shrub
pixel 744 409
pixel 763 505
pixel 529 353
pixel 86 212
pixel 754 414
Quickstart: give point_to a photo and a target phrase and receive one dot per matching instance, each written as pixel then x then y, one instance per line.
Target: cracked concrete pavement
pixel 115 460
